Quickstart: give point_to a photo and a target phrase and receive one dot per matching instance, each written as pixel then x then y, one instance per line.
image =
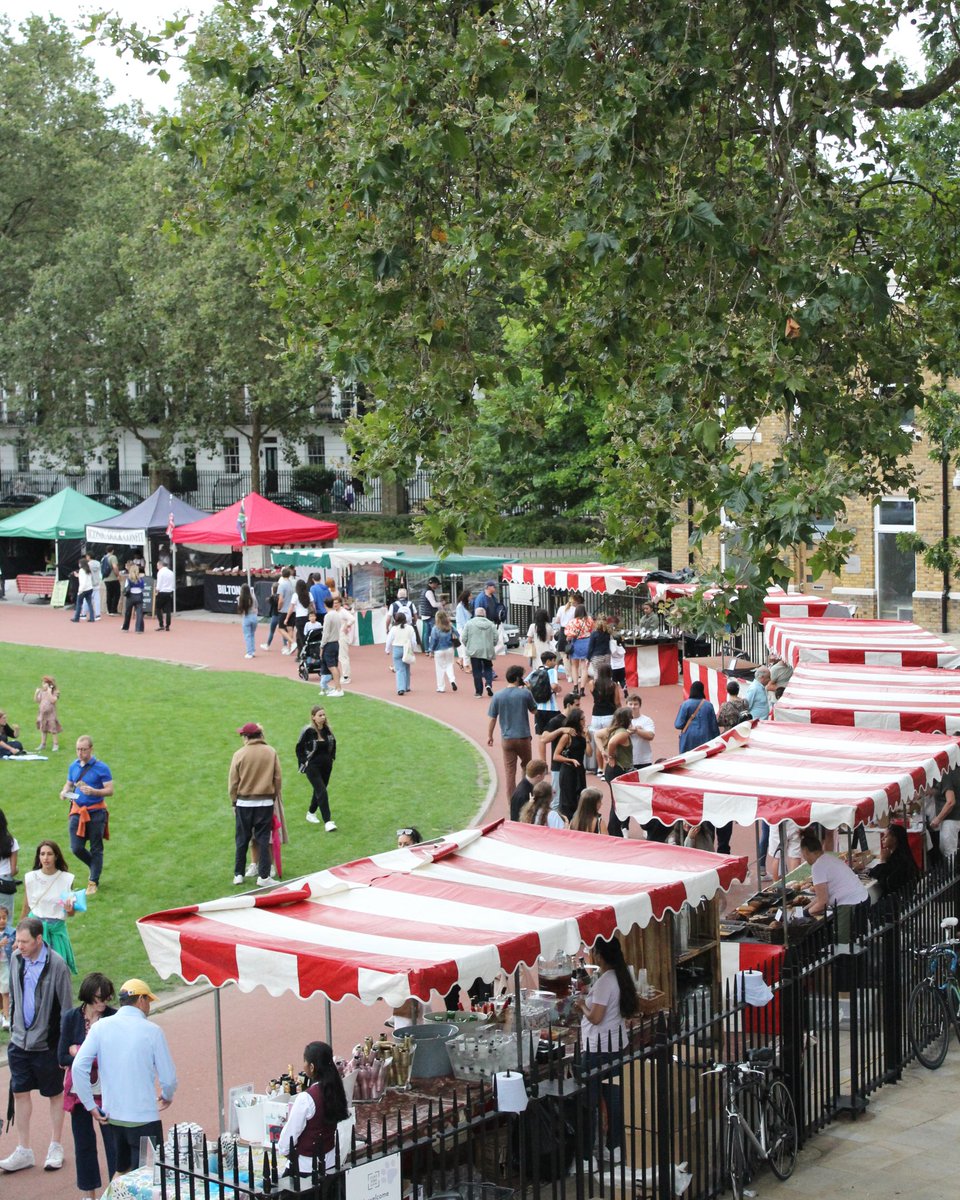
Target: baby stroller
pixel 310 658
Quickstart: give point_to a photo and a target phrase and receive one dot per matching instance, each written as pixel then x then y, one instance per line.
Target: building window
pixel 316 452
pixel 231 455
pixel 896 569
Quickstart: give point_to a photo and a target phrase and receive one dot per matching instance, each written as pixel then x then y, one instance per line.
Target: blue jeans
pixel 274 625
pixel 604 1068
pixel 249 631
pixel 402 669
pixel 92 858
pixel 83 598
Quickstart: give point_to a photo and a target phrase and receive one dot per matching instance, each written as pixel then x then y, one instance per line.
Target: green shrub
pixel 314 479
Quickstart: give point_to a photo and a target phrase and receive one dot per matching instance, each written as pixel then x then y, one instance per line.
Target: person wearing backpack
pixel 544 685
pixel 110 574
pixel 401 606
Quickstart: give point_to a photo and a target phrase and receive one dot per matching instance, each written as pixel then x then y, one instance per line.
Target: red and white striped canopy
pixel 794 604
pixel 870 643
pixel 776 772
pixel 574 577
pixel 714 682
pixel 410 921
pixel 914 699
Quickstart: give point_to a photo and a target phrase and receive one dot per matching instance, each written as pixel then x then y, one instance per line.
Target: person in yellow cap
pixel 134 1060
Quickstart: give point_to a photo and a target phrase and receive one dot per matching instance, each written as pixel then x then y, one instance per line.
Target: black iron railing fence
pixel 837 1025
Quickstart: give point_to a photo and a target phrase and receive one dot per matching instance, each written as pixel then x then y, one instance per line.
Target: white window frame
pixel 879 528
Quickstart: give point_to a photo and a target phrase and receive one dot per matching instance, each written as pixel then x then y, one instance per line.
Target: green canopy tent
pixel 63 517
pixel 344 558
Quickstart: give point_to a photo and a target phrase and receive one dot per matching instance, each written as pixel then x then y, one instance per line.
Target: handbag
pixel 528 650
pixel 409 654
pixel 8 886
pixel 455 639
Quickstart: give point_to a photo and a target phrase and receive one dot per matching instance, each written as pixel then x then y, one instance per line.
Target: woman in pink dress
pixel 46 696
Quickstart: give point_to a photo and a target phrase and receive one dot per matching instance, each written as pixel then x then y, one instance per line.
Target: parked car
pixel 511 635
pixel 301 502
pixel 121 500
pixel 21 499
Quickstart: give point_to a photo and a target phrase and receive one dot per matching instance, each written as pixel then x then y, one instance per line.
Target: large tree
pixel 669 205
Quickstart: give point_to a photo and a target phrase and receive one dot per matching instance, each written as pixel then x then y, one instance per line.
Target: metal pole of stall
pixel 759 865
pixel 328 1014
pixel 218 1036
pixel 518 1018
pixel 783 882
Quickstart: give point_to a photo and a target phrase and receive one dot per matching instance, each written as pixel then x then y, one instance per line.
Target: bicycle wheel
pixel 929 1027
pixel 736 1156
pixel 781 1130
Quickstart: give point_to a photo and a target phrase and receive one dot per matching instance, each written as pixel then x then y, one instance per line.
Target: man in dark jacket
pixel 39 994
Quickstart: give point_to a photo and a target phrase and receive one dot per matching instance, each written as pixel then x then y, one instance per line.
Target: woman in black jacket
pixel 95 991
pixel 316 750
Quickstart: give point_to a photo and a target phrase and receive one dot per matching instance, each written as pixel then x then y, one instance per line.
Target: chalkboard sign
pixel 148 581
pixel 58 597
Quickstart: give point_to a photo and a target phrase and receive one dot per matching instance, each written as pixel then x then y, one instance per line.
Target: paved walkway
pixel 905 1141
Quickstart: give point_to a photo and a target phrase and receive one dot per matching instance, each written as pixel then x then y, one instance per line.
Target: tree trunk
pixel 256 434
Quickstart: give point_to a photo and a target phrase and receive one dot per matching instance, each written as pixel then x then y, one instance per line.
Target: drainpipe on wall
pixel 945 523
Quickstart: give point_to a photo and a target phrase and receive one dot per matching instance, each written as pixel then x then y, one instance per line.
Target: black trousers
pixel 318 775
pixel 253 824
pixel 164 609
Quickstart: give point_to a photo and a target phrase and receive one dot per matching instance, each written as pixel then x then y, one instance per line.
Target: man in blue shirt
pixel 132 1057
pixel 319 593
pixel 758 701
pixel 89 783
pixel 512 707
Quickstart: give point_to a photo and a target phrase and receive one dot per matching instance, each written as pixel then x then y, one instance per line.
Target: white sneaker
pixel 335 692
pixel 285 650
pixel 264 646
pixel 273 872
pixel 4 1023
pixel 264 882
pixel 313 818
pixel 331 827
pixel 54 1159
pixel 237 879
pixel 20 1158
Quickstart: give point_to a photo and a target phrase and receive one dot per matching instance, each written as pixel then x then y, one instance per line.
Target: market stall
pixel 61 519
pixel 776 772
pixel 650 661
pixel 253 521
pixel 870 643
pixel 149 521
pixel 912 699
pixel 372 576
pixel 410 922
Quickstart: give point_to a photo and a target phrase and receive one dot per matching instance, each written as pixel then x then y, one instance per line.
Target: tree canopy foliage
pixel 671 220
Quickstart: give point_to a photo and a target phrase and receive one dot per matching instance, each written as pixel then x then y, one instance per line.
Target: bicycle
pixel 934 1004
pixel 761 1120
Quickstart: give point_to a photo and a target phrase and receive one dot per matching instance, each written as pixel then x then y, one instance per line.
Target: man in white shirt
pixel 166 582
pixel 132 1057
pixel 641 733
pixel 330 649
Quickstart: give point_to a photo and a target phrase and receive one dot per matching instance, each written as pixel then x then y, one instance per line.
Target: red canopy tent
pixel 871 643
pixel 914 699
pixel 776 772
pixel 406 922
pixel 256 521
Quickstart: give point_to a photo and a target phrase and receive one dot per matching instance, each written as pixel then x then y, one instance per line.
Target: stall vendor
pixel 649 622
pixel 833 883
pixel 310 1131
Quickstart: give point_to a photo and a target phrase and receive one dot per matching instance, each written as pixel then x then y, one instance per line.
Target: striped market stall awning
pixel 912 699
pixel 778 772
pixel 869 643
pixel 406 922
pixel 575 577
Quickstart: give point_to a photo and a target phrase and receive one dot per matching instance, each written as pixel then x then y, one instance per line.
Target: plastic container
pixel 431 1060
pixel 250 1122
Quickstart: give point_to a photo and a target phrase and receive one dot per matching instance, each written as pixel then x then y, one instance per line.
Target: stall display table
pixel 36 585
pixel 652 663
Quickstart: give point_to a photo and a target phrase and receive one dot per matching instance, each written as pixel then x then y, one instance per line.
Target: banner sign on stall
pixel 376 1180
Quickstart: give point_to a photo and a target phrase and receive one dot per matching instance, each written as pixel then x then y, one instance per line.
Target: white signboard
pixel 375 1180
pixel 520 593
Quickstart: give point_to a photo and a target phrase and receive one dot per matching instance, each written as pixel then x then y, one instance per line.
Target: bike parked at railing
pixel 934 1004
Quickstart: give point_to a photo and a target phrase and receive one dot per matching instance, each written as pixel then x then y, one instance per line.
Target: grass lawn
pixel 168 733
